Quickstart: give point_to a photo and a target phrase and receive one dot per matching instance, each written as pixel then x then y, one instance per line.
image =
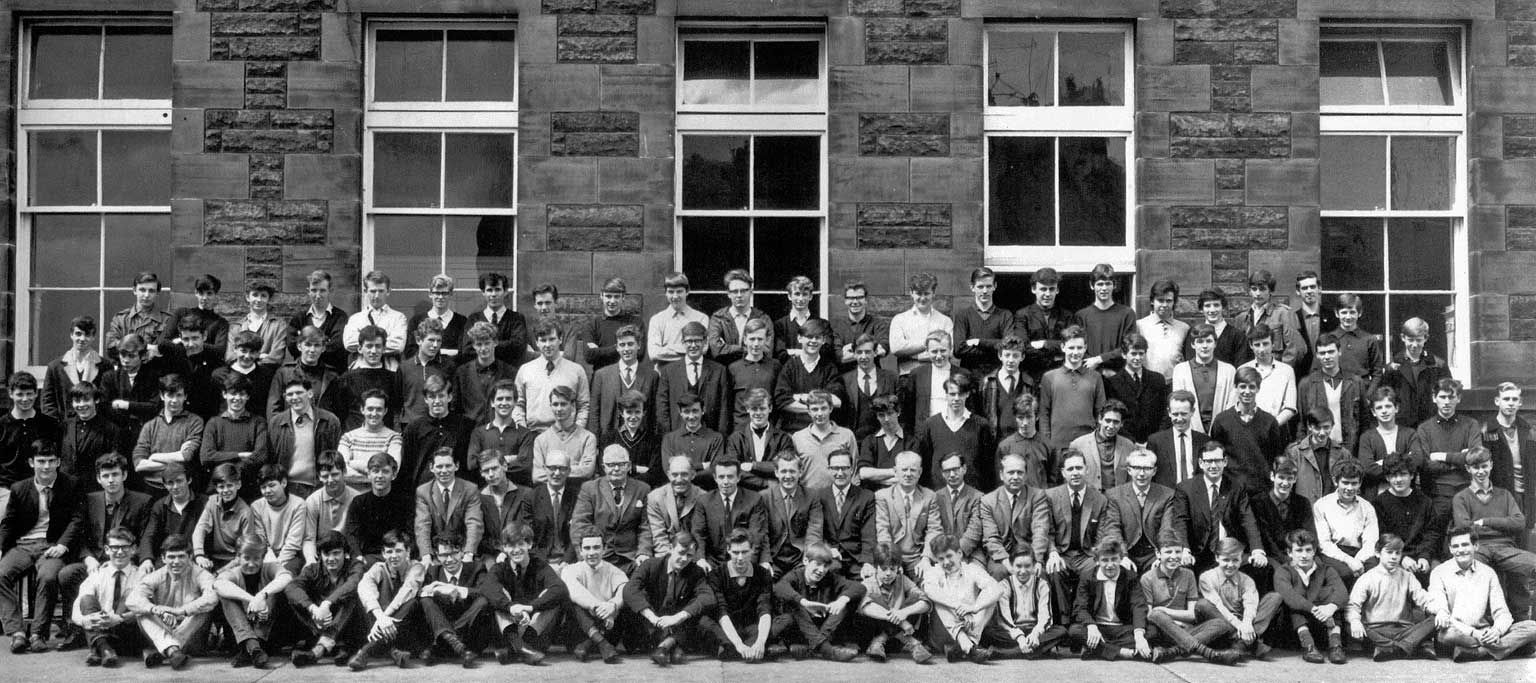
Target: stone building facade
pixel 877 139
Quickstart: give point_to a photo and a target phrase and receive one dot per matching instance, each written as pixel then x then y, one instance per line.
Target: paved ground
pixel 1286 667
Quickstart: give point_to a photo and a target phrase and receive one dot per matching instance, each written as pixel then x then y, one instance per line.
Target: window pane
pixel 135 243
pixel 1418 73
pixel 788 72
pixel 51 312
pixel 1019 68
pixel 1422 172
pixel 480 66
pixel 1093 191
pixel 1022 208
pixel 66 250
pixel 62 165
pixel 1353 170
pixel 1428 307
pixel 408 66
pixel 135 167
pixel 1092 69
pixel 405 169
pixel 1351 72
pixel 479 244
pixel 65 62
pixel 716 71
pixel 784 248
pixel 408 247
pixel 1419 253
pixel 137 63
pixel 786 172
pixel 712 246
pixel 1352 251
pixel 480 168
pixel 715 172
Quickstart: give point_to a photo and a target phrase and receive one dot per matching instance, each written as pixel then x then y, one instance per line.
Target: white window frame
pixel 1113 122
pixel 1416 121
pixel 50 114
pixel 442 118
pixel 754 121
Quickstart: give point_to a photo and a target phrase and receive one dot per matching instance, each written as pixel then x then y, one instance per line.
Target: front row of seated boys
pixel 515 605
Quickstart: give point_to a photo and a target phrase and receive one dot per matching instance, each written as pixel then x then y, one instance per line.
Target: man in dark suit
pixel 448 504
pixel 610 382
pixel 42 522
pixel 1126 634
pixel 1144 392
pixel 111 507
pixel 501 501
pixel 1311 319
pixel 1140 511
pixel 758 446
pixel 848 517
pixel 1005 385
pixel 792 513
pixel 1178 447
pixel 87 435
pixel 669 594
pixel 1216 507
pixel 693 374
pixel 726 508
pixel 1013 515
pixel 456 612
pixel 860 387
pixel 1076 512
pixel 958 504
pixel 613 507
pixel 553 505
pixel 877 452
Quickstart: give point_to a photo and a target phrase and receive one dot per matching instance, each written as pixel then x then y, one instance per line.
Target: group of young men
pixel 352 488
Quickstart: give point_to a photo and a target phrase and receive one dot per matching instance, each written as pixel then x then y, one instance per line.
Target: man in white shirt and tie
pixel 377 312
pixel 1178 447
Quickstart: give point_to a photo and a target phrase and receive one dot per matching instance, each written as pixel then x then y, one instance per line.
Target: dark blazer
pixel 80 443
pixel 1146 399
pixel 453 335
pixel 164 521
pixel 1127 519
pixel 1326 321
pixel 64 513
pixel 622 526
pixel 335 354
pixel 713 390
pixel 517 506
pixel 1273 527
pixel 1059 502
pixel 511 337
pixel 132 512
pixel 1130 603
pixel 997 405
pixel 757 475
pixel 538 586
pixel 713 526
pixel 914 391
pixel 1503 469
pixel 858 412
pixel 1311 392
pixel 608 384
pixel 1326 588
pixel 1232 510
pixel 1163 446
pixel 551 530
pixel 280 436
pixel 1372 453
pixel 647 590
pixel 469 574
pixel 1231 345
pixel 955 515
pixel 850 534
pixel 142 395
pixel 53 399
pixel 787 531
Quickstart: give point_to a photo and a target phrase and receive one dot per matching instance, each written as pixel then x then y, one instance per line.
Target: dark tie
pixel 1183 456
pixel 869 385
pixel 681 502
pixel 1077 517
pixel 45 498
pixel 117 591
pixel 549 368
pixel 370 319
pixel 618 496
pixel 629 377
pixel 671 598
pixel 1008 385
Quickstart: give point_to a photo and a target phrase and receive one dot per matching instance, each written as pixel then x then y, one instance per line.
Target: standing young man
pixel 1285 341
pixel 601 335
pixel 1310 320
pixel 377 313
pixel 846 329
pixel 1207 377
pixel 537 379
pixel 910 328
pixel 726 337
pixel 1164 333
pixel 511 338
pixel 1040 324
pixel 1231 343
pixel 1329 387
pixel 1071 395
pixel 981 326
pixel 1415 374
pixel 1106 321
pixel 665 337
pixel 326 318
pixel 141 318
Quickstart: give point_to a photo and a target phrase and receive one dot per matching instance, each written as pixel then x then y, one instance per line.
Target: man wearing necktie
pixel 455 610
pixel 669 594
pixel 526 594
pixel 1178 447
pixel 1015 514
pixel 553 504
pixel 1217 507
pixel 100 609
pixel 906 515
pixel 729 507
pixel 1075 513
pixel 613 507
pixel 448 504
pixel 109 508
pixel 863 383
pixel 40 524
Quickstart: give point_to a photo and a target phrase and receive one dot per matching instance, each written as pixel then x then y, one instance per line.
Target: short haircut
pixel 852 285
pixel 631 399
pixel 939 336
pixel 489 280
pixel 1183 395
pixel 922 282
pixel 1262 278
pixel 1386 394
pixel 547 326
pixel 738 536
pixel 175 543
pixel 1164 286
pixel 1211 294
pixel 1347 300
pixel 372 333
pixel 1316 416
pixel 131 343
pixel 1300 538
pixel 1478 455
pixel 260 286
pixel 490 456
pixel 1283 464
pixel 757 397
pixel 443 451
pixel 1202 330
pixel 226 473
pixel 819 552
pixel 207 283
pixel 85 391
pixel 1398 463
pixel 111 460
pixel 1229 546
pixel 1169 538
pixel 685 539
pixel 428 327
pixel 1248 374
pixel 440 282
pixel 675 280
pixel 246 340
pixel 547 288
pixel 816 327
pixel 1414 327
pixel 236 383
pixel 1345 468
pixel 1505 386
pixel 961 381
pixel 818 396
pixel 564 392
pixel 381 460
pixel 983 272
pixel 1024 405
pixel 170 384
pixel 1133 341
pixel 1100 272
pixel 448 538
pixel 615 285
pixel 122 534
pixel 190 323
pixel 1326 339
pixel 693 329
pixel 1307 275
pixel 1109 547
pixel 376 277
pixel 1448 384
pixel 800 284
pixel 885 556
pixel 1259 332
pixel 1011 343
pixel 1460 530
pixel 688 400
pixel 886 404
pixel 145 277
pixel 311 335
pixel 1071 332
pixel 727 462
pixel 395 537
pixel 329 540
pixel 315 277
pixel 943 543
pixel 1022 550
pixel 754 325
pixel 1068 453
pixel 251 544
pixel 437 384
pixel 1391 542
pixel 1213 445
pixel 373 393
pixel 330 459
pixel 84 323
pixel 1113 405
pixel 481 332
pixel 629 331
pixel 1045 276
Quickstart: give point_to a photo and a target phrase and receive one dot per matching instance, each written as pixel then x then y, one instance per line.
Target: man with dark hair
pixel 381 509
pixel 1278 511
pixel 456 612
pixel 846 329
pixel 848 517
pixel 818 603
pixel 527 596
pixel 173 604
pixel 448 506
pixel 328 321
pixel 757 443
pixel 1500 525
pixel 176 513
pixel 1407 513
pixel 726 336
pixel 1040 324
pixel 862 386
pixel 80 363
pixel 1330 388
pixel 602 334
pixel 1470 612
pixel 1110 612
pixel 20 428
pixel 111 507
pixel 100 611
pixel 1144 392
pixel 596 588
pixel 1312 595
pixel 388 596
pixel 1286 342
pixel 981 326
pixel 692 374
pixel 279 518
pixel 1253 437
pixel 298 434
pixel 627 372
pixel 1346 525
pixel 38 529
pixel 1310 319
pixel 1216 507
pixel 195 362
pixel 87 434
pixel 1440 445
pixel 175 436
pixel 324 600
pixel 729 507
pixel 510 343
pixel 1105 320
pixel 141 318
pixel 206 289
pixel 669 594
pixel 1104 449
pixel 441 427
pixel 740 621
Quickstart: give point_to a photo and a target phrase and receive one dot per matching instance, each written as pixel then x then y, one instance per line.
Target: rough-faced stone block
pixel 910 53
pixel 595 25
pixel 596 49
pixel 1520 228
pixel 1519 136
pixel 265 47
pixel 904 134
pixel 1227 9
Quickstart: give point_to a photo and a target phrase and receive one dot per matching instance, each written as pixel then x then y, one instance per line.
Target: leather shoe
pixel 583 650
pixel 94 658
pixel 1336 655
pixel 400 657
pixel 979 655
pixel 108 657
pixel 1312 656
pixel 659 656
pixel 608 651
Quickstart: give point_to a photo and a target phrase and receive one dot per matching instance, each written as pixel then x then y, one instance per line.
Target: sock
pixel 1304 634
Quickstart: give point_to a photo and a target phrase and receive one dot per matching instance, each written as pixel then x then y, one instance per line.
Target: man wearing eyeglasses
pixel 112 507
pixel 1140 511
pixel 847 328
pixel 1216 508
pixel 728 326
pixel 100 609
